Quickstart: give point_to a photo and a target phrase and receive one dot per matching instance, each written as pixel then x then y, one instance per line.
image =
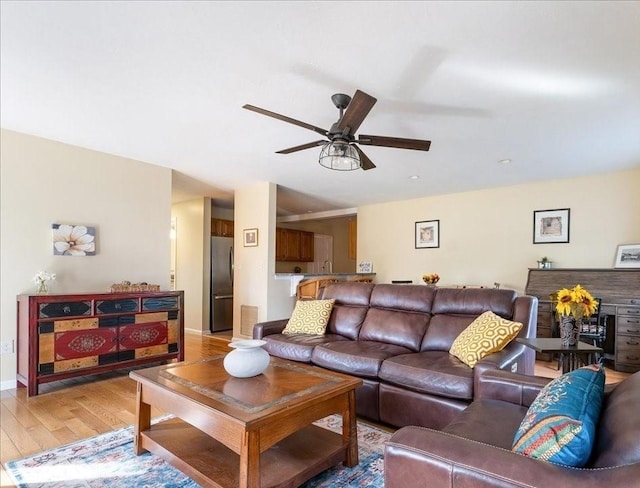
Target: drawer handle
pixel 633 358
pixel 632 343
pixel 117 306
pixel 633 312
pixel 631 321
pixel 633 331
pixel 66 309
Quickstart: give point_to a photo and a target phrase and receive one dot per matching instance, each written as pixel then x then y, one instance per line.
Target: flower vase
pixel 247 359
pixel 42 288
pixel 569 330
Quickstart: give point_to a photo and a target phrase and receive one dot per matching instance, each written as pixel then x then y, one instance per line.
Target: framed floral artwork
pixel 73 240
pixel 551 226
pixel 427 234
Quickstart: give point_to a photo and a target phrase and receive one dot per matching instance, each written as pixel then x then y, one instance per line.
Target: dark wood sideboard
pixel 619 290
pixel 64 336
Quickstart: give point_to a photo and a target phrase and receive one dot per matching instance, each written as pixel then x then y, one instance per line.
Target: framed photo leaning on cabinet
pixel 628 256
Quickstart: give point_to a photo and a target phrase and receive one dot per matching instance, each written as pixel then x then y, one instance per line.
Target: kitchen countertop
pixel 296 278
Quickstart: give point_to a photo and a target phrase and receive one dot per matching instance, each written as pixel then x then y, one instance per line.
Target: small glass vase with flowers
pixel 573 305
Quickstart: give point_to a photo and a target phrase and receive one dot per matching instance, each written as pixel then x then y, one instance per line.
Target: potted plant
pixel 572 305
pixel 544 263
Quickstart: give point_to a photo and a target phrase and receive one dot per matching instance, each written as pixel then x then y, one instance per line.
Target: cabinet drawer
pixel 116 306
pixel 628 356
pixel 626 343
pixel 628 328
pixel 633 311
pixel 159 303
pixel 64 309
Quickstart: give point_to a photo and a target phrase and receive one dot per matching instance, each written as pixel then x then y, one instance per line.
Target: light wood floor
pixel 79 408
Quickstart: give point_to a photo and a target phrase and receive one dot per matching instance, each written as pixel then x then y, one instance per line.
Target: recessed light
pixel 505 161
pixel 414 177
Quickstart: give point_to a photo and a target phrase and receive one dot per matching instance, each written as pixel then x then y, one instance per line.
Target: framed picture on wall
pixel 551 226
pixel 628 256
pixel 427 234
pixel 250 237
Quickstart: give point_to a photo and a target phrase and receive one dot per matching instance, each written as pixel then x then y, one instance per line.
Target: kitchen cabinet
pixel 221 227
pixel 294 245
pixel 64 336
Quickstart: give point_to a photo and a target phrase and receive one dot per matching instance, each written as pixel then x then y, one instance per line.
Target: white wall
pixel 487 236
pixel 193 244
pixel 45 182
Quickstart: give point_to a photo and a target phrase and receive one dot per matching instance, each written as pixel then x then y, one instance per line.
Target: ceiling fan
pixel 340 151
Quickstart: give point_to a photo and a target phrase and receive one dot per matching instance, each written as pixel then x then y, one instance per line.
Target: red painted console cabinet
pixel 63 336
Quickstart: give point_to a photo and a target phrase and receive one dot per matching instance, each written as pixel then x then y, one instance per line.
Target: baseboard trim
pixel 8 385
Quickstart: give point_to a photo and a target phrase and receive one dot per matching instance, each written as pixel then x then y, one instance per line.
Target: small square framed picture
pixel 551 226
pixel 250 237
pixel 628 256
pixel 427 234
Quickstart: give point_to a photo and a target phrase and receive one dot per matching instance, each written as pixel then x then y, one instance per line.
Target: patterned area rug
pixel 107 460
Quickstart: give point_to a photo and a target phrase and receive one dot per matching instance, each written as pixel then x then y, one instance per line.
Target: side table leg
pixel 250 461
pixel 143 421
pixel 350 431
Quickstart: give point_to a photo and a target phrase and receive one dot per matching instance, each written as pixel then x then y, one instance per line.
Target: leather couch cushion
pixel 434 372
pixel 346 320
pixel 617 441
pixel 404 329
pixel 488 421
pixel 297 347
pixel 349 293
pixel 443 330
pixel 474 301
pixel 309 317
pixel 487 334
pixel 411 298
pixel 560 424
pixel 360 358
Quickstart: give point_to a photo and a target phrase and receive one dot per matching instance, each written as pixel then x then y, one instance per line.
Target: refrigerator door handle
pixel 231 265
pixel 222 297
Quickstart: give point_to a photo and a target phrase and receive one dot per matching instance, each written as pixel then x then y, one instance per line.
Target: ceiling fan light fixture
pixel 340 156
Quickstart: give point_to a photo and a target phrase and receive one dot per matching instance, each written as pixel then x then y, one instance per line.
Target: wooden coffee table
pixel 246 432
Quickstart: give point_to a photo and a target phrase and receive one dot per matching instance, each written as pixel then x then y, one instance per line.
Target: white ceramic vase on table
pixel 247 358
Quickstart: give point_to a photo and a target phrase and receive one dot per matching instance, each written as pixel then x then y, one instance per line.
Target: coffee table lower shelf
pixel 289 463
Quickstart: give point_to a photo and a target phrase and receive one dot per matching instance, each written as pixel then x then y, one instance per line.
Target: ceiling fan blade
pixel 301 147
pixel 284 118
pixel 365 162
pixel 416 144
pixel 359 107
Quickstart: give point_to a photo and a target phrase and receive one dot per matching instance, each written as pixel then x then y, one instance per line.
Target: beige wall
pixel 486 236
pixel 193 244
pixel 45 182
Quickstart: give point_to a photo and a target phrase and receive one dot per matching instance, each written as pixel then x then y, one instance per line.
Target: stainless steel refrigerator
pixel 221 284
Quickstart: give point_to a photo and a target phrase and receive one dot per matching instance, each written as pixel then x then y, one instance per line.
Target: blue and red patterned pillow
pixel 560 424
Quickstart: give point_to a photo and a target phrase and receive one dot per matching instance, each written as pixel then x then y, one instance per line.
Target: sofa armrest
pixel 509 387
pixel 263 329
pixel 511 358
pixel 419 457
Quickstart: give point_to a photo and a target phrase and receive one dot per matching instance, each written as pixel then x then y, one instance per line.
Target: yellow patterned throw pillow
pixel 309 317
pixel 487 334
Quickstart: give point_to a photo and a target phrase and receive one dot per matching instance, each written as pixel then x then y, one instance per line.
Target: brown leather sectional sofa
pixel 475 449
pixel 397 339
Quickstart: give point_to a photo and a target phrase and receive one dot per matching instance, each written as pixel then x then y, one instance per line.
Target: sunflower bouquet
pixel 574 302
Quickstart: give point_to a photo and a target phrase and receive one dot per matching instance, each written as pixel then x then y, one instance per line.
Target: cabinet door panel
pixel 143 335
pixel 82 343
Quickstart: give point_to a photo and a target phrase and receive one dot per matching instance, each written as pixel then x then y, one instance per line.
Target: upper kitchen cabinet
pixel 221 227
pixel 294 245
